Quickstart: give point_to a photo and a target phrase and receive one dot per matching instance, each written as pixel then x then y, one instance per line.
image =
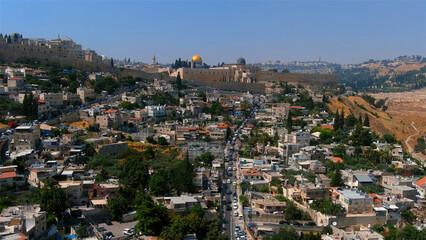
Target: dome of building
pixel 197 58
pixel 241 61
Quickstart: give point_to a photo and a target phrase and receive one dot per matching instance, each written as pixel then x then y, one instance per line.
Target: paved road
pixel 231 155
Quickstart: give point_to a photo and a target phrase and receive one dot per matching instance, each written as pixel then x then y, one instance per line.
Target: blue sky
pixel 222 31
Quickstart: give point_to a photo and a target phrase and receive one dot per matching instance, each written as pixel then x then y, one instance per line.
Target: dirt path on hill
pixel 407 141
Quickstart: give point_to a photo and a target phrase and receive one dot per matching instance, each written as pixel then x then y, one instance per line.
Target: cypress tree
pixel 289 123
pixel 366 121
pixel 342 119
pixel 336 125
pixel 179 82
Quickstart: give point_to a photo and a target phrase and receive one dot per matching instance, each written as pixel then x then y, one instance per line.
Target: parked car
pixel 296 223
pixel 278 212
pixel 107 235
pixel 283 222
pixel 108 222
pixel 309 224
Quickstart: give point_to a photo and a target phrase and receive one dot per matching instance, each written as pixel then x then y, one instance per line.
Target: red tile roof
pixel 16 78
pixel 327 126
pixel 251 172
pixel 337 160
pixel 202 132
pixel 421 182
pixel 333 188
pixel 296 107
pixel 110 111
pixel 5 175
pixel 372 195
pixel 222 125
pixel 336 194
pixel 41 101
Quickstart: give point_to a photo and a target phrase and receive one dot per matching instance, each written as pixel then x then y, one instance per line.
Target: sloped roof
pixel 421 182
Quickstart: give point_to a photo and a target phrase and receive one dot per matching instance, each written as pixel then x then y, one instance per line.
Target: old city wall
pixel 322 80
pixel 231 86
pixel 141 74
pixel 206 75
pixel 14 52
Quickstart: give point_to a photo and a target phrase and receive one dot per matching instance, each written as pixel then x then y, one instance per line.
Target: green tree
pixel 162 141
pixel 52 198
pixel 374 188
pixel 81 231
pixel 151 217
pixel 93 128
pixel 244 200
pixel 178 229
pixel 336 178
pixel 327 230
pixel 408 216
pixel 30 106
pixel 339 151
pixel 158 183
pixel 389 138
pixel 179 81
pixel 336 125
pixel 289 122
pixel 117 206
pixel 128 105
pixel 366 121
pixel 285 233
pixel 198 210
pixel 205 159
pixel 134 172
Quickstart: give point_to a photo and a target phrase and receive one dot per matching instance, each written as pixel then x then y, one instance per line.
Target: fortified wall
pixel 230 86
pixel 322 80
pixel 228 79
pixel 62 51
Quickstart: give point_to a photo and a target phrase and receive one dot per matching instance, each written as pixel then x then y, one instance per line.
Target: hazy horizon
pixel 343 32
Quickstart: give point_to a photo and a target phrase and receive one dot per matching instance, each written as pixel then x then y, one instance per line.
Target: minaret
pixel 153 60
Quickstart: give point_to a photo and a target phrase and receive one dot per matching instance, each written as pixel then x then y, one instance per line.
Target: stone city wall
pixel 323 80
pixel 14 52
pixel 230 86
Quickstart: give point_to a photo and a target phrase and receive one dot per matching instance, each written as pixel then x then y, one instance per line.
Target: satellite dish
pixel 334 223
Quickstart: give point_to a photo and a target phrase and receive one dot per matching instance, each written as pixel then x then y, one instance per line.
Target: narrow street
pixel 232 209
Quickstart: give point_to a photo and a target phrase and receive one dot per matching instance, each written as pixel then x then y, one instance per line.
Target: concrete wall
pixel 345 221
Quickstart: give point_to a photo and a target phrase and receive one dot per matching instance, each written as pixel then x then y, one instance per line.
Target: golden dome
pixel 197 58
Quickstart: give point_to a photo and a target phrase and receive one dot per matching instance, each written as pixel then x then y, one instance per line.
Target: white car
pixel 235 214
pixel 235 206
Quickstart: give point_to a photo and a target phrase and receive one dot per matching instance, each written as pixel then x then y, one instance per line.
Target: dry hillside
pixel 380 121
